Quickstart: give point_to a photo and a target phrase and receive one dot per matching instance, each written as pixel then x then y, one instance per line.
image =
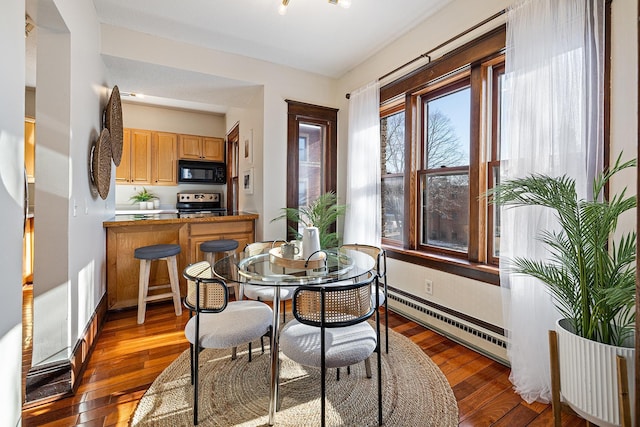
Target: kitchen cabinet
pixel 194 147
pixel 123 269
pixel 135 164
pixel 30 149
pixel 163 153
pixel 126 233
pixel 240 230
pixel 148 157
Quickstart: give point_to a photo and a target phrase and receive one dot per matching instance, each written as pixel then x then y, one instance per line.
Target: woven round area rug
pixel 236 393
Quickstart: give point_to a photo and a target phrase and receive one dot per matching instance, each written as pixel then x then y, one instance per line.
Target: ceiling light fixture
pixel 282 10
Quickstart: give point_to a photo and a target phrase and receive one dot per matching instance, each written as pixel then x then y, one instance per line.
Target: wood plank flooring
pixel 128 357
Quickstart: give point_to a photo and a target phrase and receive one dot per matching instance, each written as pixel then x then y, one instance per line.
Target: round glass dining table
pixel 267 269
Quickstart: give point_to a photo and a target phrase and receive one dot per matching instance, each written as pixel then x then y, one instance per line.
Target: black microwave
pixel 202 172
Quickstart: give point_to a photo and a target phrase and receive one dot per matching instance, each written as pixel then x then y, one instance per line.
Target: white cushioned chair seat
pixel 239 323
pixel 381 296
pixel 265 293
pixel 344 346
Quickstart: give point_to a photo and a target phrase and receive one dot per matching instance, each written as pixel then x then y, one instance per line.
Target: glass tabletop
pixel 267 270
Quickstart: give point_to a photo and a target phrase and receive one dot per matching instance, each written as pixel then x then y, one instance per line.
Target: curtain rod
pixel 426 54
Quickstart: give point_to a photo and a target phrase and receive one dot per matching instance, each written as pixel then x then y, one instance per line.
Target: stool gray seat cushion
pixel 344 346
pixel 221 245
pixel 239 323
pixel 156 251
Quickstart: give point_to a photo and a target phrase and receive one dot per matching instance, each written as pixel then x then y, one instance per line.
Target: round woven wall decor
pixel 101 164
pixel 113 122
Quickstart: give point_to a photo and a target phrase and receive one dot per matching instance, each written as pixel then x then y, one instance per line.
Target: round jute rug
pixel 236 393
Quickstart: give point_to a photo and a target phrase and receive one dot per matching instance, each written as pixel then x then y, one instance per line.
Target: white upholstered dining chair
pixel 330 330
pixel 218 323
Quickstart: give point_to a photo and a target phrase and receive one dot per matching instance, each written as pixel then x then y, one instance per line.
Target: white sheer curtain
pixel 362 220
pixel 552 124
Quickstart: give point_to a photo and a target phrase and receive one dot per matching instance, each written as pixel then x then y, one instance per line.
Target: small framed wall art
pixel 247 181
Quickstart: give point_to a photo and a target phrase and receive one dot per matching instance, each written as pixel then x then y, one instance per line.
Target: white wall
pixel 140 116
pixel 12 50
pixel 69 276
pixel 624 97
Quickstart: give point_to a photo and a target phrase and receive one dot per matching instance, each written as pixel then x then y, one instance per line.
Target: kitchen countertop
pixel 173 218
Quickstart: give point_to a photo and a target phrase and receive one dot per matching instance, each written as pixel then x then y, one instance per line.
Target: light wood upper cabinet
pixel 123 171
pixel 30 149
pixel 193 147
pixel 213 149
pixel 163 153
pixel 135 165
pixel 150 157
pixel 140 156
pixel 190 147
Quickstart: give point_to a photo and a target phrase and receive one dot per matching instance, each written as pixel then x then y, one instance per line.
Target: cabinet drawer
pixel 221 228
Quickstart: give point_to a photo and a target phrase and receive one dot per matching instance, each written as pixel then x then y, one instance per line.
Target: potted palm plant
pixel 321 213
pixel 591 278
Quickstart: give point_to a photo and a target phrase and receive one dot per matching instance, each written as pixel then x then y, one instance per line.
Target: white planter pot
pixel 588 376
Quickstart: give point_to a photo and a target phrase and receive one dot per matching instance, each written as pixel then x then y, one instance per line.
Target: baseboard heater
pixel 476 334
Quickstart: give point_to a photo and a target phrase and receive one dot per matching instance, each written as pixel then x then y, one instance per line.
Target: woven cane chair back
pixel 213 292
pixel 344 305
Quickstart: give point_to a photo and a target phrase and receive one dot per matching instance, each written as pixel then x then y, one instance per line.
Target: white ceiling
pixel 314 36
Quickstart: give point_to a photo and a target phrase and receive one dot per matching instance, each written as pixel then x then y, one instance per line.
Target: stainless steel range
pixel 194 203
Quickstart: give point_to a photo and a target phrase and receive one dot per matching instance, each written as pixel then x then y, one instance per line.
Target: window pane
pixel 447 130
pixel 311 148
pixel 393 207
pixel 392 169
pixel 392 143
pixel 311 144
pixel 445 211
pixel 496 216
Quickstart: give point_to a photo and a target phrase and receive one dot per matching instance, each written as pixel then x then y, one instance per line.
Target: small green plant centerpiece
pixel 143 196
pixel 321 213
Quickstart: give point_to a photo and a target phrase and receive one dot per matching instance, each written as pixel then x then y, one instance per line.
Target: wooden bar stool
pixel 146 254
pixel 212 247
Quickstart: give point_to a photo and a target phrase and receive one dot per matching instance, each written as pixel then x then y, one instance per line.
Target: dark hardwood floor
pixel 128 357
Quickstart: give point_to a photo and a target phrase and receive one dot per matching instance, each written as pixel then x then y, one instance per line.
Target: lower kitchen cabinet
pixel 125 234
pixel 242 231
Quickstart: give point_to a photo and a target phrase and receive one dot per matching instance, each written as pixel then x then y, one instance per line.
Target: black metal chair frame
pixel 323 324
pixel 381 274
pixel 196 349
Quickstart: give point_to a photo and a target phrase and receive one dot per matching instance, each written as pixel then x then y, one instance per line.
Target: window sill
pixel 460 267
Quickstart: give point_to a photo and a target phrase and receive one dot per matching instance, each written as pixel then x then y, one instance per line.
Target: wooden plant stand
pixel 558 406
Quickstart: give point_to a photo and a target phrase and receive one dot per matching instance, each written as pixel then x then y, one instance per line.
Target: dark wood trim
pixel 46 383
pixel 480 48
pixel 458 266
pixel 324 116
pixel 411 161
pixel 462 316
pixel 233 141
pixel 637 363
pixel 475 172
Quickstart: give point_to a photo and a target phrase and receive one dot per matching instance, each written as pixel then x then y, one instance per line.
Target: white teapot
pixel 311 243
